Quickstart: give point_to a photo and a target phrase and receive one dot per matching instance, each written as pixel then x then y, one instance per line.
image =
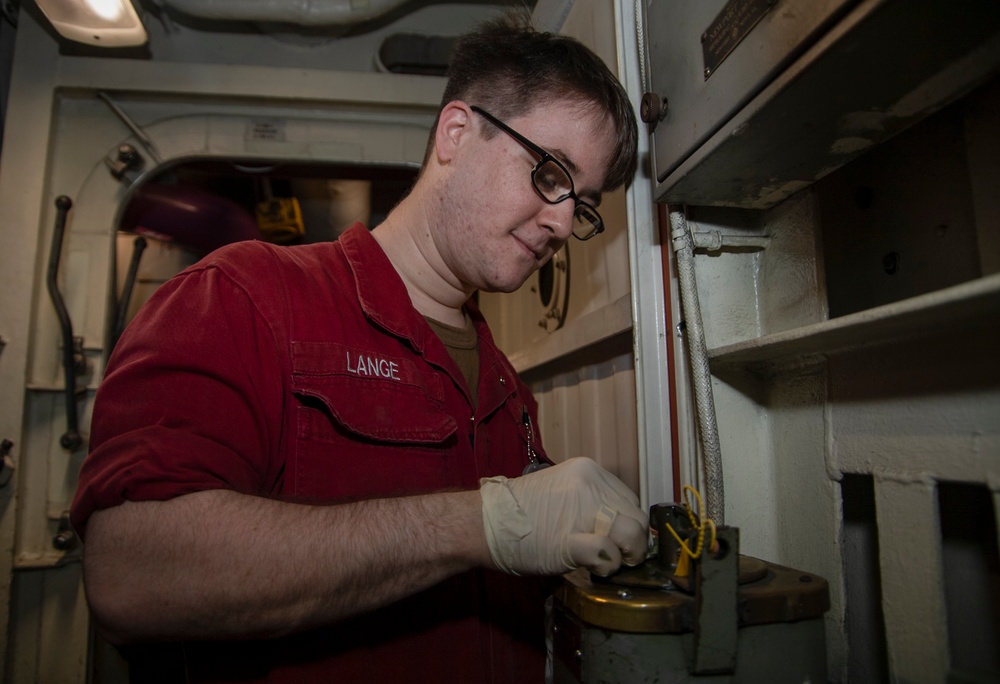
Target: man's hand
pixel 560 518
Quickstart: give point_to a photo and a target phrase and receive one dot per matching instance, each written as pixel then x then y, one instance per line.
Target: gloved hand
pixel 560 518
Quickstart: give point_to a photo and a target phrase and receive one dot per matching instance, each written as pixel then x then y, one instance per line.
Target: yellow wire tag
pixel 699 523
pixel 683 568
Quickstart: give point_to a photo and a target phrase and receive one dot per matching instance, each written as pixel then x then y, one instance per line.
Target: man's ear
pixel 454 121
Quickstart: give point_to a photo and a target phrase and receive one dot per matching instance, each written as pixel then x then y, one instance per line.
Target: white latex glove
pixel 560 518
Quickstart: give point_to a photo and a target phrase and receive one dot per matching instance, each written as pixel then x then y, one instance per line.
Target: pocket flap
pixel 374 395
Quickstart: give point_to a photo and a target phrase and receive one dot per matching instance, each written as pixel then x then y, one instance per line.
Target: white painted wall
pixel 906 393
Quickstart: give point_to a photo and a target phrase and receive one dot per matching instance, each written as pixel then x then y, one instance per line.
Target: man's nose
pixel 558 218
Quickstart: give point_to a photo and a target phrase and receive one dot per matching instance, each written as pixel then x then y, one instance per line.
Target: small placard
pixel 265 129
pixel 731 26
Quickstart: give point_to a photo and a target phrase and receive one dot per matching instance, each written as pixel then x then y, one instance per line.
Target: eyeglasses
pixel 553 183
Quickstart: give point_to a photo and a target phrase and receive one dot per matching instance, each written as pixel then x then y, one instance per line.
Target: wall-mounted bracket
pixel 124 162
pixel 716 631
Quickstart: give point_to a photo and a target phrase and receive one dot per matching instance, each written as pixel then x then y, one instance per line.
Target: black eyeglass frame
pixel 544 158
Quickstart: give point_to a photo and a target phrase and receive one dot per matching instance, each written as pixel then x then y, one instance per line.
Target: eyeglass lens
pixel 555 185
pixel 586 223
pixel 552 181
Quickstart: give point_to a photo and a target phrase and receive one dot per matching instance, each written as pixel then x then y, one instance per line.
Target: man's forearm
pixel 219 564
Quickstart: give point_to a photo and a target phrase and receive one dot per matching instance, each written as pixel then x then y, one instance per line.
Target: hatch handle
pixel 138 245
pixel 72 347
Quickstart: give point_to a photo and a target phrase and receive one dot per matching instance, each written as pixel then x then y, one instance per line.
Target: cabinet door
pixel 708 58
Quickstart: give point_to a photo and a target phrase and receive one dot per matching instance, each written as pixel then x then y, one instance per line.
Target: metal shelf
pixel 591 329
pixel 969 308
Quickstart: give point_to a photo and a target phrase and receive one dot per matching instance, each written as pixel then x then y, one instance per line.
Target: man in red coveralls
pixel 308 463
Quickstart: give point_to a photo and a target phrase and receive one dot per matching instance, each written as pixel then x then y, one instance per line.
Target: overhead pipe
pixel 701 376
pixel 715 241
pixel 302 13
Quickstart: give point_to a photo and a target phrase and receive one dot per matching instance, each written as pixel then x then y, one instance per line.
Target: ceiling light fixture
pixel 105 23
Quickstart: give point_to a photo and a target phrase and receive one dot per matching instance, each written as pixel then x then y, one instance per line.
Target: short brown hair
pixel 507 68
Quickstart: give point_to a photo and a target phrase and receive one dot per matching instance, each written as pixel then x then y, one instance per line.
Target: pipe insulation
pixel 701 376
pixel 300 12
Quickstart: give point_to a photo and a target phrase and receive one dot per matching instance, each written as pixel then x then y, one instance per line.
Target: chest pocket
pixel 367 425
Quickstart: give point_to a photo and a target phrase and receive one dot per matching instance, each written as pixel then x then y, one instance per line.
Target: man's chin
pixel 506 287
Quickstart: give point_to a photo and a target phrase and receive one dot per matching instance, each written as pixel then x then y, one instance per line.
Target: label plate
pixel 730 26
